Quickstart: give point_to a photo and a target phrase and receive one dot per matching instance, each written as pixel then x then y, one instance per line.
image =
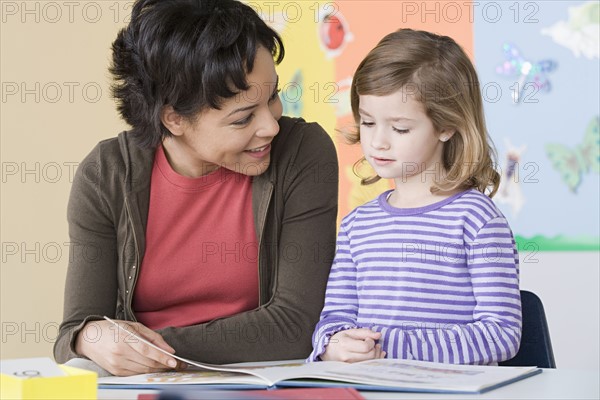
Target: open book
pixel 380 374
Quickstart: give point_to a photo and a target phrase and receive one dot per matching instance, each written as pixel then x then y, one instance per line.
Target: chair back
pixel 536 347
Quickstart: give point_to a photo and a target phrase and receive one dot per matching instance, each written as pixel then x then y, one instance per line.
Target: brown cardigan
pixel 295 210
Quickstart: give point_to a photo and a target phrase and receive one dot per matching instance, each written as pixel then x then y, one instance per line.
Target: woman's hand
pixel 122 354
pixel 353 345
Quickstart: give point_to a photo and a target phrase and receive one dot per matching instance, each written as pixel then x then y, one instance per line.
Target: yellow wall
pixel 55 108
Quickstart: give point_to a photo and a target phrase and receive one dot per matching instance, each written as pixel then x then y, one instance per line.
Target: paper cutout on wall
pixel 292 94
pixel 333 29
pixel 531 75
pixel 573 163
pixel 581 32
pixel 341 98
pixel 510 192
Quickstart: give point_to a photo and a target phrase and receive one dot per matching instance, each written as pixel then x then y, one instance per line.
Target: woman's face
pixel 238 136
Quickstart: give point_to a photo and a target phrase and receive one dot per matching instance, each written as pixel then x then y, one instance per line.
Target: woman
pixel 209 227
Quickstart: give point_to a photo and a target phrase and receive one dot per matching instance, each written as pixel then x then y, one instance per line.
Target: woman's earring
pixel 444 138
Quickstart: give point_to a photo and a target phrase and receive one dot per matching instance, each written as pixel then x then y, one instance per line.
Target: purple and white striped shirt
pixel 441 282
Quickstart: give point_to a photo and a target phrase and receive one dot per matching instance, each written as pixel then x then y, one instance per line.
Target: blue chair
pixel 536 347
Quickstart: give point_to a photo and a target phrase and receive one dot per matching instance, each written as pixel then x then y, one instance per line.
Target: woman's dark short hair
pixel 190 54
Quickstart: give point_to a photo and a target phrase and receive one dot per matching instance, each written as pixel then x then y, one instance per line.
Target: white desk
pixel 550 384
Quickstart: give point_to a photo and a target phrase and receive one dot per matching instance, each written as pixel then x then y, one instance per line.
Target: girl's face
pixel 398 139
pixel 238 136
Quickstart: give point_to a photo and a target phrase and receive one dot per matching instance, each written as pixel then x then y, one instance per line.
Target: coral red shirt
pixel 201 259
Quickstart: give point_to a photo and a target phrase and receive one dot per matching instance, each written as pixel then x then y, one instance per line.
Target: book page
pixel 191 376
pixel 423 375
pixel 201 366
pixel 266 373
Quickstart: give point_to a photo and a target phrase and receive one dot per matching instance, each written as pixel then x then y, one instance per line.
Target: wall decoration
pixel 553 203
pixel 531 76
pixel 538 66
pixel 334 31
pixel 510 192
pixel 291 95
pixel 573 163
pixel 580 33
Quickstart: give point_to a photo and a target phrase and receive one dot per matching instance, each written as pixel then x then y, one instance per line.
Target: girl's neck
pixel 401 199
pixel 415 191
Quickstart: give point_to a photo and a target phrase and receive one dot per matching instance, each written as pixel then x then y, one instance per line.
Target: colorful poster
pixel 538 67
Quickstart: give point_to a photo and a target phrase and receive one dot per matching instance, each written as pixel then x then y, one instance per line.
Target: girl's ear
pixel 446 134
pixel 172 120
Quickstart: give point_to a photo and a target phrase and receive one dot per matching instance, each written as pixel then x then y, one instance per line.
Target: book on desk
pixel 378 374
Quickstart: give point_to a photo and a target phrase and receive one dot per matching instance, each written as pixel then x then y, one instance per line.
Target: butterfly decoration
pixel 572 163
pixel 529 74
pixel 291 96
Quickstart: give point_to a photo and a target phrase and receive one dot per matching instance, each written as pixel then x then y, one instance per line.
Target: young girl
pixel 429 270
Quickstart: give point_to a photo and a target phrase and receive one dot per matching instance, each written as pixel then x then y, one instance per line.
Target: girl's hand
pixel 353 345
pixel 122 354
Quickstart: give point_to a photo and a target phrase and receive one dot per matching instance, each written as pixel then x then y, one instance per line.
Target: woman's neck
pixel 182 160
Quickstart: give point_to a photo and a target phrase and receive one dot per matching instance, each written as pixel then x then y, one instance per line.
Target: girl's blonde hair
pixel 438 73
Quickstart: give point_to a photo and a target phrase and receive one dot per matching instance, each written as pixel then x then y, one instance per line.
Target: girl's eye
pixel 274 95
pixel 401 130
pixel 367 124
pixel 244 121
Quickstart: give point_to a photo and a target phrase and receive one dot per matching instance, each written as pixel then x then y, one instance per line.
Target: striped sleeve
pixel 495 334
pixel 341 301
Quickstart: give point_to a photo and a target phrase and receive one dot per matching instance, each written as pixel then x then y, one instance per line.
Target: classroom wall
pixel 55 106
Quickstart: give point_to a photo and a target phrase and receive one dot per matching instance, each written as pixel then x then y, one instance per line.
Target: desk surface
pixel 551 384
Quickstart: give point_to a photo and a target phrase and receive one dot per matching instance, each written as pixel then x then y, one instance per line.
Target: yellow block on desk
pixel 78 384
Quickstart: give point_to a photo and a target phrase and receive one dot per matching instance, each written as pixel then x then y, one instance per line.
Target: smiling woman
pixel 237 136
pixel 214 228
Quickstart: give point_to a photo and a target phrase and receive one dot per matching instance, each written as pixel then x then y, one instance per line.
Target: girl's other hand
pixel 353 345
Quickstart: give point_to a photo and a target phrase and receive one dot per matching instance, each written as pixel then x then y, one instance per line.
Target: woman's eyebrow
pixel 250 107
